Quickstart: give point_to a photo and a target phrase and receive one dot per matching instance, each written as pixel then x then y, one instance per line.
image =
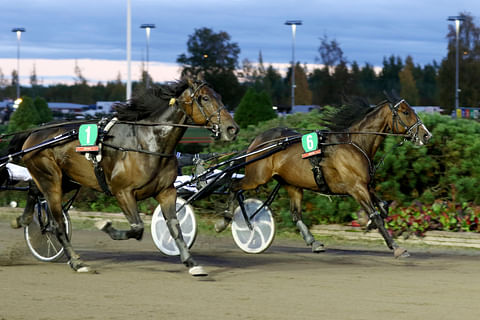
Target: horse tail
pixel 17 141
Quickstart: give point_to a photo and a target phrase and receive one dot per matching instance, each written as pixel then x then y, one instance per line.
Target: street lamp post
pixel 18 31
pixel 457 20
pixel 129 51
pixel 294 24
pixel 148 27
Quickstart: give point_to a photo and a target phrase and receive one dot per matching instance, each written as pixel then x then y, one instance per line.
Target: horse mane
pixel 342 117
pixel 149 102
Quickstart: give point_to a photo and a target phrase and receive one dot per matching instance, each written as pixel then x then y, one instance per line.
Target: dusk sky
pixel 60 33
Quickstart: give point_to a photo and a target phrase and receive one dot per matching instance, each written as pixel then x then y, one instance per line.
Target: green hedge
pixel 442 174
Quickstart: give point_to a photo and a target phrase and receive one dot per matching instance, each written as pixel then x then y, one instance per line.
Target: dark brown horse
pixel 138 159
pixel 345 166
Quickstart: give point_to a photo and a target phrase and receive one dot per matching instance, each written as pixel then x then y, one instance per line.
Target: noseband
pixel 411 132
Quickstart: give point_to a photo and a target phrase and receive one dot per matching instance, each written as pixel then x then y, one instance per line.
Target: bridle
pixel 411 132
pixel 194 98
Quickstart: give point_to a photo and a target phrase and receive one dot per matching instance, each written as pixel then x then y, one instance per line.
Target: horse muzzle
pixel 225 132
pixel 421 136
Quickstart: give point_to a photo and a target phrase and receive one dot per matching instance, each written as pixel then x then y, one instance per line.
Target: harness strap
pixel 97 158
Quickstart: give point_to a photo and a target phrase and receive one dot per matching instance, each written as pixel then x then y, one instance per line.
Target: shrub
pixel 253 108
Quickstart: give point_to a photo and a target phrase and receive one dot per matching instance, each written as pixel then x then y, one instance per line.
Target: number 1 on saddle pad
pixel 87 136
pixel 310 145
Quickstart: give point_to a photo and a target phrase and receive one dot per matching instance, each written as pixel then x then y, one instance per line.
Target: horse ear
pixel 200 76
pixel 190 82
pixel 395 95
pixel 389 96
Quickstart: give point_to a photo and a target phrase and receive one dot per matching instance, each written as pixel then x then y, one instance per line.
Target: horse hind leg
pixel 54 198
pixel 48 177
pixel 26 217
pixel 255 175
pixel 296 196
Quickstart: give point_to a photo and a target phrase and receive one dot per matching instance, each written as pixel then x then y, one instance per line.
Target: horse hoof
pixel 197 271
pixel 221 225
pixel 103 224
pixel 400 253
pixel 79 267
pixel 14 224
pixel 318 247
pixel 84 269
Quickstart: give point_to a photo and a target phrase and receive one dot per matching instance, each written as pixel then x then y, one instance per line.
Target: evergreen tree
pixel 43 111
pixel 469 66
pixel 369 84
pixel 389 76
pixel 26 116
pixel 408 90
pixel 303 95
pixel 253 108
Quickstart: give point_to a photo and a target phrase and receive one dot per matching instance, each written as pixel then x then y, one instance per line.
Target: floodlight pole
pixel 18 31
pixel 294 24
pixel 147 27
pixel 129 50
pixel 457 20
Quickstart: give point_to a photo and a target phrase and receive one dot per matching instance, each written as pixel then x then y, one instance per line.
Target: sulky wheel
pixel 260 236
pixel 161 235
pixel 40 234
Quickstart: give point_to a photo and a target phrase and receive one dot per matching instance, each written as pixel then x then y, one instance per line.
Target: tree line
pixel 215 56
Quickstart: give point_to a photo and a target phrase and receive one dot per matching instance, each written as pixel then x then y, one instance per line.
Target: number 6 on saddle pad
pixel 310 145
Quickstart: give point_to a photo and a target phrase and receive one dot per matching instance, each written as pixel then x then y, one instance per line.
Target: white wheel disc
pixel 41 238
pixel 259 238
pixel 161 235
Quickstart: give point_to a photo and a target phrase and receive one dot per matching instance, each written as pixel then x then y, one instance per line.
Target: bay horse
pixel 346 164
pixel 138 159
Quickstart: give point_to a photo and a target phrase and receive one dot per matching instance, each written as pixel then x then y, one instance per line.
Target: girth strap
pixel 101 177
pixel 318 174
pixel 96 158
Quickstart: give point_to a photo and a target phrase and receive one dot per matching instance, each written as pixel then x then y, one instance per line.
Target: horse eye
pixel 406 113
pixel 205 98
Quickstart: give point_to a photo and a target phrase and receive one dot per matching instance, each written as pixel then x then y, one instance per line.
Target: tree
pixel 469 66
pixel 303 95
pixel 253 108
pixel 408 86
pixel 274 85
pixel 330 52
pixel 26 116
pixel 3 81
pixel 215 57
pixel 33 77
pixel 14 78
pixel 319 82
pixel 389 76
pixel 43 111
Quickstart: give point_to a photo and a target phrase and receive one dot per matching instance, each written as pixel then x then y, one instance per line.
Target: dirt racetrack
pixel 135 281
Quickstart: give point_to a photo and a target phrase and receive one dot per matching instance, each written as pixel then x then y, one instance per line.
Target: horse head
pixel 205 107
pixel 406 121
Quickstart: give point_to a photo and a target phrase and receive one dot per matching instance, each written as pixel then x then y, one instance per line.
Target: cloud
pixel 53 71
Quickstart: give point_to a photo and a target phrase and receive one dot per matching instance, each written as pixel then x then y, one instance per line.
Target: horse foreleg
pixel 296 196
pixel 364 198
pixel 167 199
pixel 380 204
pixel 127 202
